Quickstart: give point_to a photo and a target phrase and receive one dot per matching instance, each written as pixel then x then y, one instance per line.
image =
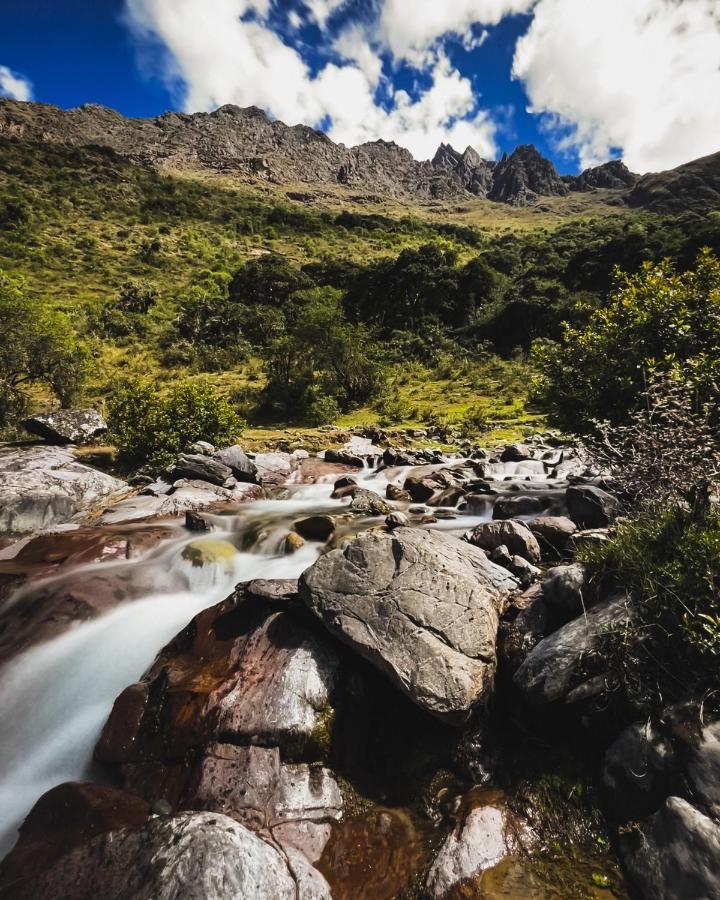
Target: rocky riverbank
pixel 393 683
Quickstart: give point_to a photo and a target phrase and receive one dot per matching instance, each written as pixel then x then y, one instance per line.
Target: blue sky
pixel 584 80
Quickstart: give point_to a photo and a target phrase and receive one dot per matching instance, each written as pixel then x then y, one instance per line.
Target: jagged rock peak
pixel 610 175
pixel 522 176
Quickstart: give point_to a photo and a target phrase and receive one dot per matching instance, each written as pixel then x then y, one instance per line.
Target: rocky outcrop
pixel 67 426
pixel 693 185
pixel 235 458
pixel 523 176
pixel 473 172
pixel 421 607
pixel 45 486
pixel 613 175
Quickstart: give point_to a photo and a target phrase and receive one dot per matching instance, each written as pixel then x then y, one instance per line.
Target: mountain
pixel 247 144
pixel 613 175
pixel 695 184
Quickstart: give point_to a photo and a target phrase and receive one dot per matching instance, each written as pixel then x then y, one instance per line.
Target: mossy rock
pixel 210 552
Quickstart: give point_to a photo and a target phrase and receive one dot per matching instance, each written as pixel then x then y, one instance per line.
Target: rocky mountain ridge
pixel 247 144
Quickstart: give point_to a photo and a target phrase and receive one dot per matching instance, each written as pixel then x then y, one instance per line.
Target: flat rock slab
pixel 67 426
pixel 45 486
pixel 185 495
pixel 553 669
pixel 420 606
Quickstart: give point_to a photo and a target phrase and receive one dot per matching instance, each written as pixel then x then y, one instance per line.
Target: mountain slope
pixel 695 184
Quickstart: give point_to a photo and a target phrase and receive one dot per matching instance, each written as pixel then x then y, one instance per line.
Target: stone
pixel 275 468
pixel 523 626
pixel 368 503
pixel 553 533
pixel 344 458
pixel 420 606
pixel 516 536
pixel 511 507
pixel 198 856
pixel 196 467
pixel 567 591
pixel 316 528
pixel 292 543
pixel 703 769
pixel 67 426
pixel 553 669
pixel 241 466
pixel 397 520
pixel 185 495
pixel 345 486
pixel 443 487
pixel 674 854
pixel 396 493
pixel 516 453
pixel 205 448
pixel 45 486
pixel 195 522
pixel 590 506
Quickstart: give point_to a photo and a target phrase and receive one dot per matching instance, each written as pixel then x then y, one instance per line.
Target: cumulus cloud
pixel 639 75
pixel 221 54
pixel 410 28
pixel 322 10
pixel 14 86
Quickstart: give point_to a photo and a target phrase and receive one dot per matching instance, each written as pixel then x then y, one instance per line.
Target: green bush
pixel 151 428
pixel 322 409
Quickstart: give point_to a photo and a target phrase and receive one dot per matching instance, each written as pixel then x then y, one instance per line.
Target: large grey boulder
pixel 45 486
pixel 235 458
pixel 553 533
pixel 196 856
pixel 590 506
pixel 675 854
pixel 275 468
pixel 196 467
pixel 185 494
pixel 553 670
pixel 67 426
pixel 567 590
pixel 420 606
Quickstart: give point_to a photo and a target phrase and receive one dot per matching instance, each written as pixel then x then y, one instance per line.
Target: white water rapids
pixel 56 696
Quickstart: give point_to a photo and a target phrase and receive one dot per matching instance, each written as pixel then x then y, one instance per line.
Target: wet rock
pixel 510 507
pixel 345 486
pixel 45 486
pixel 344 458
pixel 316 528
pixel 516 453
pixel 567 591
pixel 293 542
pixel 275 468
pixel 67 426
pixel 396 493
pixel 191 855
pixel 486 836
pixel 210 552
pixel 674 854
pixel 524 625
pixel 240 672
pixel 196 467
pixel 516 536
pixel 640 767
pixel 195 522
pixel 235 458
pixel 397 520
pixel 421 607
pixel 368 503
pixel 557 666
pixel 185 495
pixel 590 506
pixel 553 533
pixel 439 488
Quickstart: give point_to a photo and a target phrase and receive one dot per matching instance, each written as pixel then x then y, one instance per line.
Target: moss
pixel 321 738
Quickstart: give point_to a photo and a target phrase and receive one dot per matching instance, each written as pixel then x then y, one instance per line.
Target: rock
pixel 639 769
pixel 553 533
pixel 210 551
pixel 421 607
pixel 516 453
pixel 523 626
pixel 185 495
pixel 514 535
pixel 199 856
pixel 196 467
pixel 396 493
pixel 292 543
pixel 511 507
pixel 486 836
pixel 553 669
pixel 524 571
pixel 674 854
pixel 703 769
pixel 443 487
pixel 274 468
pixel 238 462
pixel 612 175
pixel 202 447
pixel 45 486
pixel 241 672
pixel 345 486
pixel 344 458
pixel 567 591
pixel 368 503
pixel 195 522
pixel 67 426
pixel 397 520
pixel 316 528
pixel 523 176
pixel 590 506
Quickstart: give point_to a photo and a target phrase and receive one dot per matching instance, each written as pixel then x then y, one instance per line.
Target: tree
pixel 657 321
pixel 38 346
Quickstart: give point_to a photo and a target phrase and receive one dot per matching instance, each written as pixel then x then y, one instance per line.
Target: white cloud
pixel 14 86
pixel 321 10
pixel 410 28
pixel 221 58
pixel 641 75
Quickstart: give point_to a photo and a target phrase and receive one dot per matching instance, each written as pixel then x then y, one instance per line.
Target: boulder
pixel 67 426
pixel 345 486
pixel 443 487
pixel 46 486
pixel 557 667
pixel 674 854
pixel 292 543
pixel 590 506
pixel 396 520
pixel 191 855
pixel 197 467
pixel 553 533
pixel 185 495
pixel 516 453
pixel 368 503
pixel 703 769
pixel 242 672
pixel 523 626
pixel 242 468
pixel 567 591
pixel 316 528
pixel 421 607
pixel 396 493
pixel 511 507
pixel 275 468
pixel 344 458
pixel 516 536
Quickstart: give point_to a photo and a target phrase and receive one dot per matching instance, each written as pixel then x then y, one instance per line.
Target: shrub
pixel 126 314
pixel 322 409
pixel 150 428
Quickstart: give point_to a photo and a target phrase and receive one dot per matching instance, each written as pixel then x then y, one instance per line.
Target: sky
pixel 583 80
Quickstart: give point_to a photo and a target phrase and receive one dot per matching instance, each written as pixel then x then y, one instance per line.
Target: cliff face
pixel 247 144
